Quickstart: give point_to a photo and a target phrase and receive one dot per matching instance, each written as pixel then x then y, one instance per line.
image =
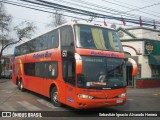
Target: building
pixel 6 62
pixel 143 45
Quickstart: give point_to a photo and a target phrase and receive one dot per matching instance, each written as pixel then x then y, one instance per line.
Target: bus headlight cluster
pixel 122 95
pixel 85 96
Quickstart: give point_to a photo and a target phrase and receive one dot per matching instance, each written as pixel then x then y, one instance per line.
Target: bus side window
pixel 42 43
pixel 37 46
pixel 39 69
pixel 29 69
pixel 67 40
pixel 52 68
pixel 23 49
pixel 53 39
pixel 66 36
pixel 33 46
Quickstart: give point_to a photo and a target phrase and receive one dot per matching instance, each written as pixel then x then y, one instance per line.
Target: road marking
pixel 7 107
pixel 48 104
pixel 28 106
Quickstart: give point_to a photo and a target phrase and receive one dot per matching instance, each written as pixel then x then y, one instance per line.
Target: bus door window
pixel 68 72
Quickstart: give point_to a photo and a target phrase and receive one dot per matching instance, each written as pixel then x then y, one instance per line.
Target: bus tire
pixel 54 97
pixel 20 85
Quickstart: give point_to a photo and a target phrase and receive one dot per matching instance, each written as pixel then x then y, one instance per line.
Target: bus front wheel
pixel 54 97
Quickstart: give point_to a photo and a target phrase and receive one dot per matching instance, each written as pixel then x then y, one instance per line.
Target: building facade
pixel 6 62
pixel 143 45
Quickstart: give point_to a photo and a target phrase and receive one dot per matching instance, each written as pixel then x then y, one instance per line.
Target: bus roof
pixel 68 23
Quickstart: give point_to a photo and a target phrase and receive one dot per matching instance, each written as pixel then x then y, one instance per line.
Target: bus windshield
pixel 102 72
pixel 94 37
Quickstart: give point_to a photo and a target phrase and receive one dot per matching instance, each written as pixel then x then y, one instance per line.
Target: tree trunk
pixel 0 66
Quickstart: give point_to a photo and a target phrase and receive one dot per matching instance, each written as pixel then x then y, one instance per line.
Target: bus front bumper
pixel 95 103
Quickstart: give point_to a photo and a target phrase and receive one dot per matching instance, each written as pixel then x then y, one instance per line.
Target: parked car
pixel 7 74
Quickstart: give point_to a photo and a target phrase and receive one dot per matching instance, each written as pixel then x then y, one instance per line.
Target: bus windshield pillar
pixel 78 63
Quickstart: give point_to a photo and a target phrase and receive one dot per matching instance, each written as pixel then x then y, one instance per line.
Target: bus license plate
pixel 119 101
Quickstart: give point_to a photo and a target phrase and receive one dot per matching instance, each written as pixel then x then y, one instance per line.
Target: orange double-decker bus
pixel 80 65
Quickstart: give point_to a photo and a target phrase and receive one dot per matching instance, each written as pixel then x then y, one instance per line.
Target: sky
pixel 147 9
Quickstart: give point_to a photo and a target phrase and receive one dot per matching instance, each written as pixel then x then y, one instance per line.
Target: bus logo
pixel 106 95
pixel 45 55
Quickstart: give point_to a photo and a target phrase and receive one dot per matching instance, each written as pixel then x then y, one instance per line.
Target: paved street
pixel 14 100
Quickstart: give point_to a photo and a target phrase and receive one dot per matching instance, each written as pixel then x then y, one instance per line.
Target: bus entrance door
pixel 69 78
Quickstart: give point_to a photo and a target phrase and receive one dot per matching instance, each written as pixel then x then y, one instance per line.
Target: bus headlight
pixel 85 96
pixel 122 95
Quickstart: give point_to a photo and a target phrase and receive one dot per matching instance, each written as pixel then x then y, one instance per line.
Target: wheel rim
pixel 21 86
pixel 55 97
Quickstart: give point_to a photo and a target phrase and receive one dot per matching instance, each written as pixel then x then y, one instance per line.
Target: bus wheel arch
pixel 54 96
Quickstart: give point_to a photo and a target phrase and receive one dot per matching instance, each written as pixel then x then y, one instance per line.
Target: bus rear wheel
pixel 54 97
pixel 20 85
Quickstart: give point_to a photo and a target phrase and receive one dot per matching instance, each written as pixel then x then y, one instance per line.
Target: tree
pixel 5 20
pixel 57 19
pixel 23 30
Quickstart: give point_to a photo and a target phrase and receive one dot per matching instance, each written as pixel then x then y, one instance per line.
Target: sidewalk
pixel 145 91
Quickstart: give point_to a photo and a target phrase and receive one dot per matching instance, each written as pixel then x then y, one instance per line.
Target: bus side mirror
pixel 134 66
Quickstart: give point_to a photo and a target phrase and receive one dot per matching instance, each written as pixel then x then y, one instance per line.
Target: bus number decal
pixel 64 53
